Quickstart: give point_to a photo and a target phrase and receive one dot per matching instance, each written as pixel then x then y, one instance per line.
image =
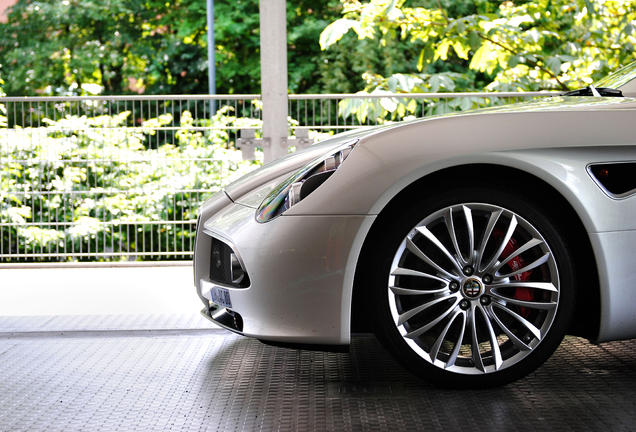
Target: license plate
pixel 221 296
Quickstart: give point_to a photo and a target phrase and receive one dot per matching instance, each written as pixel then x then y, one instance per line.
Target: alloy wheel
pixel 473 288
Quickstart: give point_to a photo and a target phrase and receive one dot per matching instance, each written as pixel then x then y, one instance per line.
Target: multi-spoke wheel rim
pixel 474 288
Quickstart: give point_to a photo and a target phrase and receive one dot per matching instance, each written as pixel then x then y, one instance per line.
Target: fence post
pixel 273 25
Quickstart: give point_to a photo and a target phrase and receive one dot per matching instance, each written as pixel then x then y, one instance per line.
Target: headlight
pixel 302 183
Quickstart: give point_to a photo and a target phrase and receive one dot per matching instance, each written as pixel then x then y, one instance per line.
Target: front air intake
pixel 225 267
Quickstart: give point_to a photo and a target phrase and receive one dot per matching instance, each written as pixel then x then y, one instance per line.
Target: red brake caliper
pixel 514 264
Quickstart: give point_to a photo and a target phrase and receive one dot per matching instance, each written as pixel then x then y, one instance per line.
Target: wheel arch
pixel 587 312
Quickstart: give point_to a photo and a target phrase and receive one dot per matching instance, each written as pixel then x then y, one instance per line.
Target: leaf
pixel 390 7
pixel 554 64
pixel 334 32
pixel 392 84
pixel 412 106
pixel 482 60
pixel 461 27
pixel 446 81
pixel 406 82
pixel 442 49
pixel 474 40
pixel 567 58
pixel 363 110
pixel 534 35
pixel 435 83
pixel 389 104
pixel 461 49
pixel 429 54
pixel 420 61
pixel 410 82
pixel 466 104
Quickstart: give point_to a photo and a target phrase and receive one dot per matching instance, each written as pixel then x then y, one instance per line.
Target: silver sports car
pixel 470 243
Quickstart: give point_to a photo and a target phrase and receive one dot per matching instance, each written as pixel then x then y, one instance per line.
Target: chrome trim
pixel 330 162
pixel 237 271
pixel 224 318
pixel 294 193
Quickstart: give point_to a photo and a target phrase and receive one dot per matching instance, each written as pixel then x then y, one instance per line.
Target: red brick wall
pixel 4 4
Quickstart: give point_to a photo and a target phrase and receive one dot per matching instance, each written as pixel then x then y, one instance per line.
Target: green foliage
pixel 84 186
pixel 345 64
pixel 396 108
pixel 535 45
pixel 124 46
pixel 517 46
pixel 153 47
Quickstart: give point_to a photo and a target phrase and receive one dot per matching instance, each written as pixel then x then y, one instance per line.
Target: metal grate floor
pixel 215 380
pixel 50 325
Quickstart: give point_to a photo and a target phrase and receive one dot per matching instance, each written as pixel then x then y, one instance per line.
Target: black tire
pixel 429 289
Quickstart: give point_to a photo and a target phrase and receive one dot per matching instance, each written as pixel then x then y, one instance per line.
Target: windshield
pixel 618 78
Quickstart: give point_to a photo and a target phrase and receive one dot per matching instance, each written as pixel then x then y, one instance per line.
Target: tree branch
pixel 401 22
pixel 533 63
pixel 439 4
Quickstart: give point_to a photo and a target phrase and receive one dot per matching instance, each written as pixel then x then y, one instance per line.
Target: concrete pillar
pixel 273 22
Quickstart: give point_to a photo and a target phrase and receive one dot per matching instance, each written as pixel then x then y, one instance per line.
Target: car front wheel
pixel 473 288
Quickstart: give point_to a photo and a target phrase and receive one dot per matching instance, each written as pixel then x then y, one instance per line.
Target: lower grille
pixel 221 266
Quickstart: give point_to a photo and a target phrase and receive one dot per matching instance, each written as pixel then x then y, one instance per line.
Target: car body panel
pixel 615 256
pixel 388 160
pixel 566 171
pixel 302 264
pixel 296 293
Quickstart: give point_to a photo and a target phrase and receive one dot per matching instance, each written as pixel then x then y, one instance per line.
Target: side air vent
pixel 617 179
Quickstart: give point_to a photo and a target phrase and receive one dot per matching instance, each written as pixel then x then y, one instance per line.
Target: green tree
pixel 159 47
pixel 124 46
pixel 517 46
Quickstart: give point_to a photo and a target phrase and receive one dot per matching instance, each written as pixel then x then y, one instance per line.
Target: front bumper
pixel 223 317
pixel 300 270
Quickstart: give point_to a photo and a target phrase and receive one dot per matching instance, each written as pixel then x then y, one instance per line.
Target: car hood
pixel 253 187
pixel 556 103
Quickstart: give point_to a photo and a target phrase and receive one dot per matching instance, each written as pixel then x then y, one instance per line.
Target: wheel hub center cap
pixel 472 288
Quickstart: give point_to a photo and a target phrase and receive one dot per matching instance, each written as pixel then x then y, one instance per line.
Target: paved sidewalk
pixel 72 301
pixel 98 291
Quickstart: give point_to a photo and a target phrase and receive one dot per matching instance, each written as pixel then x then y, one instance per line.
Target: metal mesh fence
pixel 335 113
pixel 114 178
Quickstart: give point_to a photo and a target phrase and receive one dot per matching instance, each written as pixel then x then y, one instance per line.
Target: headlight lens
pixel 302 183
